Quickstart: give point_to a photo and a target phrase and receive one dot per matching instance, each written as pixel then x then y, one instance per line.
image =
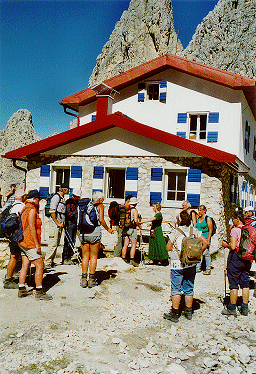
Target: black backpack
pixel 11 225
pixel 214 226
pixel 5 213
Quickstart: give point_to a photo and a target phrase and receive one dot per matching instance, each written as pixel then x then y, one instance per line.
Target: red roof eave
pixel 118 120
pixel 143 71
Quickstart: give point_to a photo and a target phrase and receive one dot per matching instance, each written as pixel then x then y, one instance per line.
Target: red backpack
pixel 246 250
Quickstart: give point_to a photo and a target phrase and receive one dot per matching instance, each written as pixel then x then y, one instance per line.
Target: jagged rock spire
pixel 226 38
pixel 145 31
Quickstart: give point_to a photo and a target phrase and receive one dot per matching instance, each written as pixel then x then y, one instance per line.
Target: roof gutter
pixel 71 114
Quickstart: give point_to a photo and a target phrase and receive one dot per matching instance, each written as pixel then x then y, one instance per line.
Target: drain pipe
pixel 22 169
pixel 71 114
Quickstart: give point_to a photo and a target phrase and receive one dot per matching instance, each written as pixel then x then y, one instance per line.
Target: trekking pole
pixel 72 246
pixel 142 264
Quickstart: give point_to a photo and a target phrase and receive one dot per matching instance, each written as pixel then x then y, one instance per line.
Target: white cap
pixel 248 208
pixel 133 201
pixel 76 192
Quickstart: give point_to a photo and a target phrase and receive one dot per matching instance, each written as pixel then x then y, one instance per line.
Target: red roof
pixel 141 72
pixel 118 120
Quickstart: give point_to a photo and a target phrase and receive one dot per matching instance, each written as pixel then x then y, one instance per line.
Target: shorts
pixel 130 233
pixel 14 248
pixel 91 238
pixel 30 253
pixel 238 272
pixel 182 281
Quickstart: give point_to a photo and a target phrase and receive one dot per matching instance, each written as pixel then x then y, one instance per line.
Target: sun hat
pixel 248 208
pixel 76 192
pixel 33 193
pixel 133 201
pixel 64 186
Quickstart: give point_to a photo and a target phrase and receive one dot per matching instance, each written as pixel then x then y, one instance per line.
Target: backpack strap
pixel 182 232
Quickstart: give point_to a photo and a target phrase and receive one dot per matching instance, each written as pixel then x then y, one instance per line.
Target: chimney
pixel 104 106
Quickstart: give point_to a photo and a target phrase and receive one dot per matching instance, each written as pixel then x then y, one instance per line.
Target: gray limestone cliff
pixel 19 132
pixel 144 32
pixel 226 38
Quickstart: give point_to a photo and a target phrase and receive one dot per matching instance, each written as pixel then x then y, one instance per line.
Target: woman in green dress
pixel 157 252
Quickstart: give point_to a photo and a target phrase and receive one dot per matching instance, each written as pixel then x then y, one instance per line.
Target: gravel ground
pixel 118 328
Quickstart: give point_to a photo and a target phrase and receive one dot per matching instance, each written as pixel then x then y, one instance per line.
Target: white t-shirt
pixel 17 207
pixel 176 238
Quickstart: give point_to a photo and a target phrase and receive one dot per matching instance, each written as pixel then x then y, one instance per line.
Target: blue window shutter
pixel 76 172
pixel 132 173
pixel 162 96
pixel 182 118
pixel 93 117
pixel 213 117
pixel 181 134
pixel 44 191
pixel 163 84
pixel 156 174
pixel 141 96
pixel 45 171
pixel 212 137
pixel 194 199
pixel 155 197
pixel 98 172
pixel 194 175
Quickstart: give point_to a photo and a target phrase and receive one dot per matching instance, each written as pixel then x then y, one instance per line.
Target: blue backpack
pixel 88 218
pixel 11 226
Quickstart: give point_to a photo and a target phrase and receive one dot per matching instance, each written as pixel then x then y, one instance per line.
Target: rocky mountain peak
pixel 226 38
pixel 144 32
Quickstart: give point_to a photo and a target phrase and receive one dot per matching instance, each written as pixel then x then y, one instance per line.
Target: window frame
pixel 106 184
pixel 53 174
pixel 173 203
pixel 198 122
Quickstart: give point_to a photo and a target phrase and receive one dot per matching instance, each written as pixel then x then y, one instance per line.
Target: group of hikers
pixel 185 247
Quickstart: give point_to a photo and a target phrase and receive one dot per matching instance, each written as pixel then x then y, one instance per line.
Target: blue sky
pixel 48 49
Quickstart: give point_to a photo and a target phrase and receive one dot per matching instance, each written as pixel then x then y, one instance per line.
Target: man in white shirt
pixel 18 205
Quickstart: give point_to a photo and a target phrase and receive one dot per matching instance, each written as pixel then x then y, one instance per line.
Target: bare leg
pixel 176 301
pixel 124 250
pixel 245 294
pixel 85 257
pixel 39 264
pixel 133 248
pixel 24 269
pixel 94 251
pixel 189 301
pixel 11 264
pixel 233 296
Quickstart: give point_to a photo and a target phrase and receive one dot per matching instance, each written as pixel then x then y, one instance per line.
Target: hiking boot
pixel 10 283
pixel 84 281
pixel 42 295
pixel 198 270
pixel 23 292
pixel 207 272
pixel 229 312
pixel 133 263
pixel 243 310
pixel 172 316
pixel 92 282
pixel 188 312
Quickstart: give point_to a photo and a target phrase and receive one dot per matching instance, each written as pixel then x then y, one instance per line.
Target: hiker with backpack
pixel 16 208
pixel 129 225
pixel 242 253
pixel 205 225
pixel 249 216
pixel 71 226
pixel 90 220
pixel 56 223
pixel 183 271
pixel 115 213
pixel 31 247
pixel 193 214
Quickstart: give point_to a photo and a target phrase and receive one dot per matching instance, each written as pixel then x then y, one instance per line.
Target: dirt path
pixel 118 328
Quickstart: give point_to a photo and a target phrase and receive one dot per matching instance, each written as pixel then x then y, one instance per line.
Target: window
pixel 175 182
pixel 153 91
pixel 115 183
pixel 61 175
pixel 233 189
pixel 197 126
pixel 247 138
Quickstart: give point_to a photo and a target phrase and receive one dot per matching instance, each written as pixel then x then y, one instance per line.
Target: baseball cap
pixel 33 193
pixel 248 208
pixel 76 192
pixel 133 201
